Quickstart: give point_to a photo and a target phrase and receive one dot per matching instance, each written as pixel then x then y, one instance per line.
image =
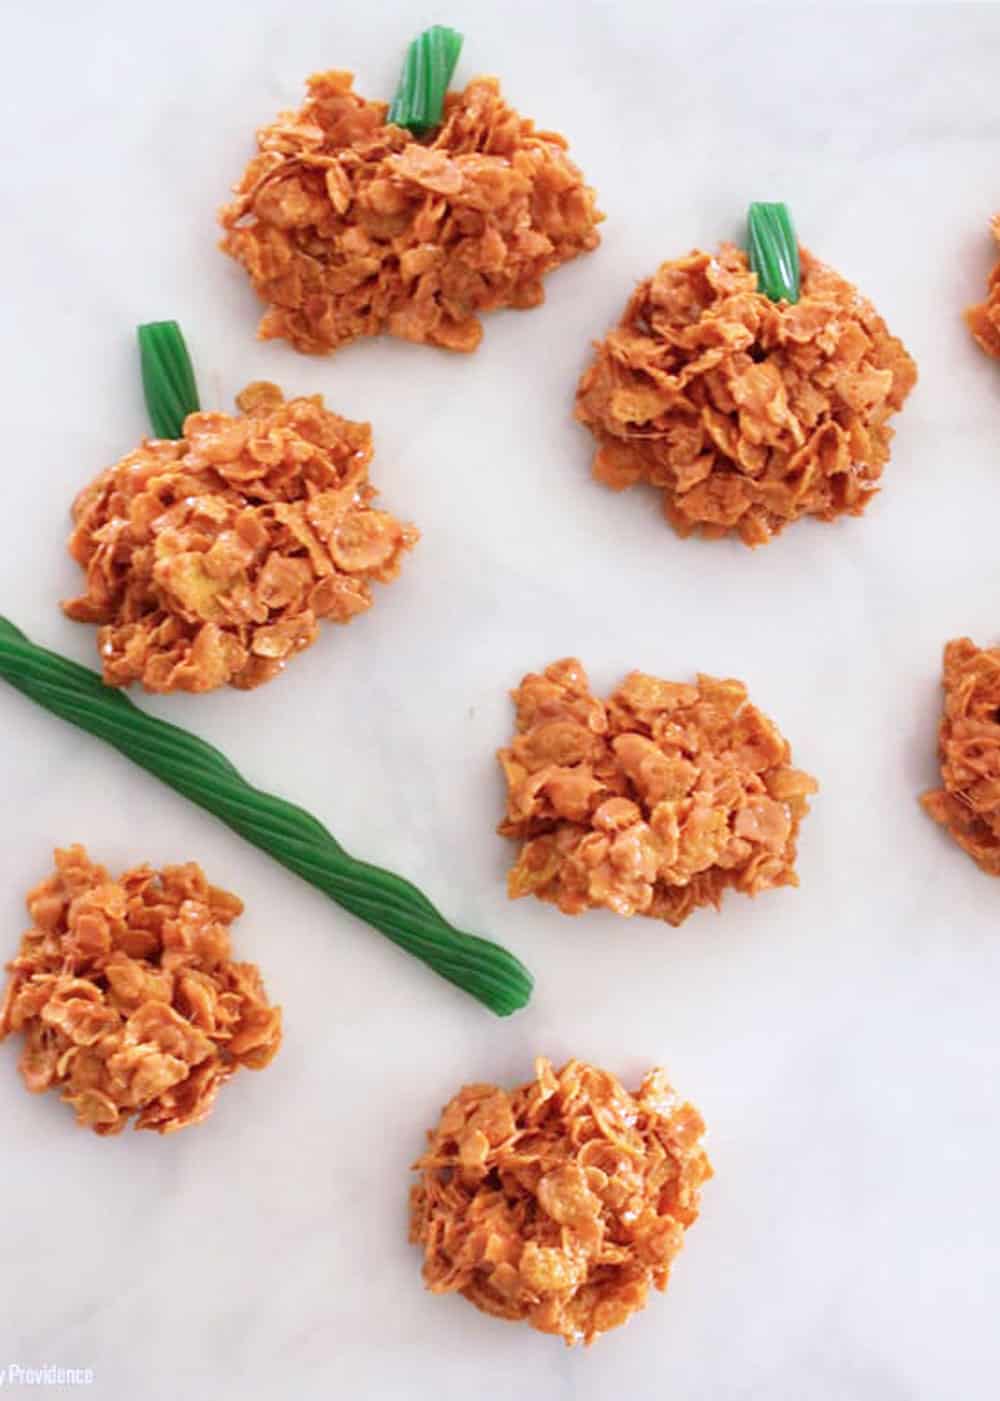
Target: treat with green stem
pixel 751 387
pixel 213 552
pixel 482 207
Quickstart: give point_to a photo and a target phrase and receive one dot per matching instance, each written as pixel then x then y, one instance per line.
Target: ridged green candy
pixel 430 62
pixel 286 832
pixel 774 251
pixel 167 378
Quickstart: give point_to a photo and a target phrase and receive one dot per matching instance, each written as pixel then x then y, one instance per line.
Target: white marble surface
pixel 841 1040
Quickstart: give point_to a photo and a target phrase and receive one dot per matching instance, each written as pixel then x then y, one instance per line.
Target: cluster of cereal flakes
pixel 560 1202
pixel 128 997
pixel 968 802
pixel 746 413
pixel 984 319
pixel 349 226
pixel 212 559
pixel 654 802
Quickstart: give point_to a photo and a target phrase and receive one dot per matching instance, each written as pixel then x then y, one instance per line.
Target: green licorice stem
pixel 430 62
pixel 774 251
pixel 167 377
pixel 288 833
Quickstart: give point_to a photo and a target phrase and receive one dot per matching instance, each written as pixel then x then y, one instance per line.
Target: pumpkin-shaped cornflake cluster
pixel 654 802
pixel 561 1202
pixel 349 226
pixel 984 319
pixel 968 801
pixel 746 413
pixel 128 997
pixel 212 559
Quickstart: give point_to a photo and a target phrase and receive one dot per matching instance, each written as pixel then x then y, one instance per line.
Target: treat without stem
pixel 350 226
pixel 128 997
pixel 984 319
pixel 652 803
pixel 745 412
pixel 561 1202
pixel 212 559
pixel 968 802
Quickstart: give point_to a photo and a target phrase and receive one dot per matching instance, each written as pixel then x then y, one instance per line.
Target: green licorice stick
pixel 427 69
pixel 167 377
pixel 774 251
pixel 288 833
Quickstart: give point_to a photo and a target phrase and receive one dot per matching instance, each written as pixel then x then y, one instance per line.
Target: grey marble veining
pixel 841 1040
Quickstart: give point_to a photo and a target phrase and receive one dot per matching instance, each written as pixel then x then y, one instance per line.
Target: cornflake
pixel 652 803
pixel 984 320
pixel 211 560
pixel 968 803
pixel 560 1202
pixel 349 227
pixel 128 997
pixel 746 413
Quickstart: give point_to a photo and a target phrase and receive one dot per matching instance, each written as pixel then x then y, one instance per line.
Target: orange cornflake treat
pixel 746 413
pixel 349 227
pixel 128 997
pixel 559 1203
pixel 211 560
pixel 652 803
pixel 984 320
pixel 968 803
